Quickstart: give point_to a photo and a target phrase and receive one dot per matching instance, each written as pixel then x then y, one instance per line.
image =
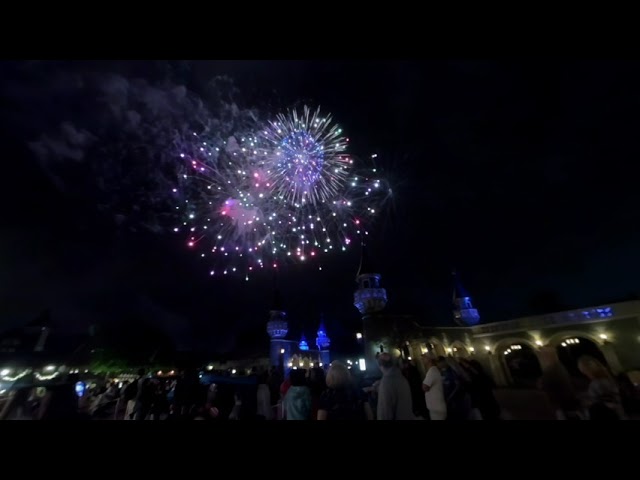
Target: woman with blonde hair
pixel 341 400
pixel 603 393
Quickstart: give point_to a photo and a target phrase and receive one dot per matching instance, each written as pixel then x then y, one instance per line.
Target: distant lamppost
pixel 362 364
pixel 359 339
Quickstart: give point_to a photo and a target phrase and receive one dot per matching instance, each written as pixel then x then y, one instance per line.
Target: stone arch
pixel 520 364
pixel 436 347
pixel 585 344
pixel 296 360
pixel 306 361
pixel 459 349
pixel 557 338
pixel 503 344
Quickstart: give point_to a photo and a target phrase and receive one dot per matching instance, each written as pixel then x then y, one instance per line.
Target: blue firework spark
pixel 308 162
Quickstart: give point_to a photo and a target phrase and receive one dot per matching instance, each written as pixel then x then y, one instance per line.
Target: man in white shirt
pixel 433 391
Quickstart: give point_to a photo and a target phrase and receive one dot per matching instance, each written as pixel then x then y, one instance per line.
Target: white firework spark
pixel 308 160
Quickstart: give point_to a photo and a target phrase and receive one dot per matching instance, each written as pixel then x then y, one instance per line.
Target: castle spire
pixel 277 304
pixel 463 312
pixel 366 265
pixel 323 343
pixel 322 340
pixel 277 328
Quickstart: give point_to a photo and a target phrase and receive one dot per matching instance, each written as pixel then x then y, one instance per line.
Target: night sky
pixel 521 175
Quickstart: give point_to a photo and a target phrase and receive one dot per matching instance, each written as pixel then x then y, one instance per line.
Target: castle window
pixel 381 348
pixel 365 284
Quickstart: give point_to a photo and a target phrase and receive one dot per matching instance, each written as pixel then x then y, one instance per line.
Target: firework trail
pixel 288 192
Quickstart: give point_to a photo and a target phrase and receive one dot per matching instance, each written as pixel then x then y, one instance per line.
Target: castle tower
pixel 277 328
pixel 323 342
pixel 463 312
pixel 370 297
pixel 303 345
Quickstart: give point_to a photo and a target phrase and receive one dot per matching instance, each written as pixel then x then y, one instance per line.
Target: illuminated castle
pixel 463 312
pixel 289 353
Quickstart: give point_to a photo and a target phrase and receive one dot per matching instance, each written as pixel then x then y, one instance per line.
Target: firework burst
pixel 288 193
pixel 308 160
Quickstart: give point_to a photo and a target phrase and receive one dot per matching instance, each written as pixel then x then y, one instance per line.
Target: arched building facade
pixel 613 338
pixel 508 350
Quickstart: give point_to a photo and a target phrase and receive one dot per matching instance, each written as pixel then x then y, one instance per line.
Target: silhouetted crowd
pixel 452 389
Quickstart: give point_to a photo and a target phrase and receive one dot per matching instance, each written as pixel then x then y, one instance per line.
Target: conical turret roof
pixel 366 264
pixel 277 304
pixel 458 290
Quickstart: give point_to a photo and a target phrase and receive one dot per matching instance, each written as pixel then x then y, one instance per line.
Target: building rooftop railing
pixel 570 317
pixel 614 311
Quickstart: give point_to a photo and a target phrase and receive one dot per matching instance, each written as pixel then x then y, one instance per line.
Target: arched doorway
pixel 522 364
pixel 571 348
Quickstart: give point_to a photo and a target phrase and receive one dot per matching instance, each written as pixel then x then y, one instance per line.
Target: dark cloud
pixel 112 139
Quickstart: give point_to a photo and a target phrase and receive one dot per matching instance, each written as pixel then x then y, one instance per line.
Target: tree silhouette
pixel 392 330
pixel 129 344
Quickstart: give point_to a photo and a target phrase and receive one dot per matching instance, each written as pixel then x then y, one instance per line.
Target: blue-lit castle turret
pixel 303 345
pixel 323 343
pixel 277 328
pixel 463 312
pixel 370 297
